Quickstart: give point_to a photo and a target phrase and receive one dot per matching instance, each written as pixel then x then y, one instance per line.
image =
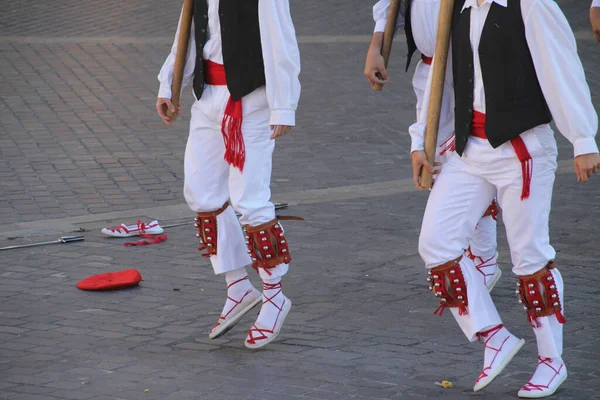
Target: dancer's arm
pixel 165 76
pixel 559 70
pixel 375 70
pixel 595 18
pixel 282 63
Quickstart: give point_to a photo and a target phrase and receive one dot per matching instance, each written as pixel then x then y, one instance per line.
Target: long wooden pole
pixel 437 87
pixel 388 36
pixel 180 59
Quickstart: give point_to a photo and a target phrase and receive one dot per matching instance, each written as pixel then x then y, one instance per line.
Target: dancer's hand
pixel 280 130
pixel 375 70
pixel 162 106
pixel 419 161
pixel 586 165
pixel 595 20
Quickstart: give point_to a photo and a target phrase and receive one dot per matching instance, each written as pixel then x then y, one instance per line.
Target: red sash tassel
pixel 478 130
pixel 231 127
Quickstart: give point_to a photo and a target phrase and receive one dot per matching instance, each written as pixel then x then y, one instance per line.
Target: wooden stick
pixel 437 87
pixel 388 36
pixel 180 59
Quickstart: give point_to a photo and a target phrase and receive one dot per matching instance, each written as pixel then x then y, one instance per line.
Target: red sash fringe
pixel 231 127
pixel 478 130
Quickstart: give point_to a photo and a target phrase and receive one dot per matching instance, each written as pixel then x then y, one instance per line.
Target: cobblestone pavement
pixel 80 148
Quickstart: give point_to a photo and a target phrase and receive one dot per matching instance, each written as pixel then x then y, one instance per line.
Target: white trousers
pixel 466 186
pixel 210 181
pixel 484 238
pixel 463 191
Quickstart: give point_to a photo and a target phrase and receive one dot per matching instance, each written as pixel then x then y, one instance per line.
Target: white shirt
pixel 380 11
pixel 280 53
pixel 563 82
pixel 596 3
pixel 424 16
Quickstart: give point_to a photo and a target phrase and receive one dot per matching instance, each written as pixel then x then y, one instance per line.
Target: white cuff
pixel 164 91
pixel 417 144
pixel 380 25
pixel 417 136
pixel 283 117
pixel 586 145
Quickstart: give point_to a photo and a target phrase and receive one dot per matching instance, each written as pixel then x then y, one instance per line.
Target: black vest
pixel 241 46
pixel 514 101
pixel 410 39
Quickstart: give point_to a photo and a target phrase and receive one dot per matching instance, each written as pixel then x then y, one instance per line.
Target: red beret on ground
pixel 111 280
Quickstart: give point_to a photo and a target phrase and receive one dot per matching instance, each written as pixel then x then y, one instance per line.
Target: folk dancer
pixel 506 94
pixel 420 21
pixel 243 62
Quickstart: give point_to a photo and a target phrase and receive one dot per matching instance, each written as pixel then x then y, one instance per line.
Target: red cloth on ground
pixel 111 280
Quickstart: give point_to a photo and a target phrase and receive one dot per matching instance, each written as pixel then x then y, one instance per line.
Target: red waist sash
pixel 231 127
pixel 478 130
pixel 427 60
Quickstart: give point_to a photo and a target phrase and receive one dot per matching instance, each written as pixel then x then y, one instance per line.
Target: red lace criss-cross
pixel 489 334
pixel 530 387
pixel 259 331
pixel 237 302
pixel 141 228
pixel 489 263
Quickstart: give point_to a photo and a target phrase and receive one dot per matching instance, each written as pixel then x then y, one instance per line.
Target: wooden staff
pixel 388 36
pixel 182 51
pixel 437 87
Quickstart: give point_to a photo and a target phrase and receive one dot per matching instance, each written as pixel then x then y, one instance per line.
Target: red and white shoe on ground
pixel 240 299
pixel 500 348
pixel 488 268
pixel 549 375
pixel 274 310
pixel 153 228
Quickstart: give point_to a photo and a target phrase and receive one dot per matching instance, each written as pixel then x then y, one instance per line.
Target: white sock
pixel 273 300
pixel 237 286
pixel 497 341
pixel 235 275
pixel 547 371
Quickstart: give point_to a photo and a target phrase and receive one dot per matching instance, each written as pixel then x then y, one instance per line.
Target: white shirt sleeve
pixel 380 12
pixel 417 130
pixel 165 76
pixel 282 60
pixel 560 73
pixel 596 3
